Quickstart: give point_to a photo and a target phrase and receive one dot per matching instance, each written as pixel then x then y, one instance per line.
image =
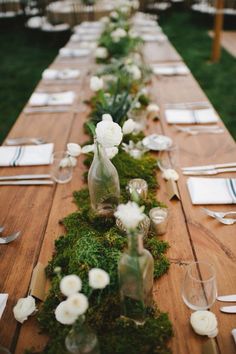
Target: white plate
pixel 157 142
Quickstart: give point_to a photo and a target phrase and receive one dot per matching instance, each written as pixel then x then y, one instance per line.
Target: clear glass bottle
pixel 81 339
pixel 103 183
pixel 135 268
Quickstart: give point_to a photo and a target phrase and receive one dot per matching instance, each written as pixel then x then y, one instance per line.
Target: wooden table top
pixel 36 210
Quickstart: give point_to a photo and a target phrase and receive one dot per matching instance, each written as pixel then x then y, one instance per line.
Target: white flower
pixel 64 162
pixel 137 105
pixel 77 304
pixel 152 107
pixel 96 83
pixel 107 117
pixel 24 308
pixel 112 152
pixel 101 53
pixel 108 134
pixel 73 149
pixel 204 323
pixel 98 278
pixel 88 148
pixel 114 15
pixel 70 284
pixel 118 34
pixel 170 173
pixel 129 126
pixel 130 214
pixel 134 71
pixel 63 315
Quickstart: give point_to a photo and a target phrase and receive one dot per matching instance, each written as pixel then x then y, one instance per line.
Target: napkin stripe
pixel 194 115
pixel 16 156
pixel 231 189
pixel 22 151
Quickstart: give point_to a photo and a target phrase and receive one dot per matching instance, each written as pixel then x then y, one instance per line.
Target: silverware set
pixel 209 169
pixel 220 216
pixel 26 180
pixel 9 238
pixel 227 298
pixel 200 129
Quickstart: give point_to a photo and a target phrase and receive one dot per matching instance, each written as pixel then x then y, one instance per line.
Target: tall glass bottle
pixel 103 183
pixel 81 339
pixel 135 268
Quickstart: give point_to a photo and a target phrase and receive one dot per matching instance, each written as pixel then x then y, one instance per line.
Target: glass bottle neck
pixel 135 243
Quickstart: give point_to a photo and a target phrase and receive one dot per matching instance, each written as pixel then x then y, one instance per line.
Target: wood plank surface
pixel 192 235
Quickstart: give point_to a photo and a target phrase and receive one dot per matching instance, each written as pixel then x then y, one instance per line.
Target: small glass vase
pixel 103 183
pixel 135 269
pixel 82 340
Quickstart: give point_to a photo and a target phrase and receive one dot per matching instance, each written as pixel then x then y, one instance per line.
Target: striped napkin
pixel 3 302
pixel 26 155
pixel 212 190
pixel 52 99
pixel 188 116
pixel 74 52
pixel 170 70
pixel 65 74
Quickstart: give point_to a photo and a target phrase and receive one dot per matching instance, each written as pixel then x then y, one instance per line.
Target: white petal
pixel 70 285
pixel 73 149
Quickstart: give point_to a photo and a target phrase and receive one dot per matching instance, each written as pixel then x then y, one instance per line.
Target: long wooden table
pixel 192 235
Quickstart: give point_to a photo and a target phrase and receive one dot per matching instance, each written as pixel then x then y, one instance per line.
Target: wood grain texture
pixel 191 234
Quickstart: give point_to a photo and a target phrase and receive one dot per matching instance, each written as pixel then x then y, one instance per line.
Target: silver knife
pixel 209 167
pixel 227 298
pixel 26 183
pixel 22 177
pixel 228 309
pixel 208 172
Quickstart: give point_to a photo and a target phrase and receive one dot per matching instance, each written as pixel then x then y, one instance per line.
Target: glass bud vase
pixel 82 340
pixel 135 268
pixel 103 183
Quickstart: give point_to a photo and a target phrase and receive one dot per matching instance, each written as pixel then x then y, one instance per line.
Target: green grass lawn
pixel 188 33
pixel 24 54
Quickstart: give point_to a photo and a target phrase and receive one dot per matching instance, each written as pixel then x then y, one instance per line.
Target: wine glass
pixel 199 290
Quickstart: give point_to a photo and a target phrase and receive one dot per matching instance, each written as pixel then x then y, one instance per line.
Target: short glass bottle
pixel 103 183
pixel 81 339
pixel 135 269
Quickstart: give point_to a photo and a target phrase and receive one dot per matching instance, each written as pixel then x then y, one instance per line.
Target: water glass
pixel 199 290
pixel 62 169
pixel 173 160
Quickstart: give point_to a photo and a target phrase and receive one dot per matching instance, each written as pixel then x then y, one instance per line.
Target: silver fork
pixel 219 214
pixel 10 238
pixel 22 141
pixel 1 229
pixel 226 221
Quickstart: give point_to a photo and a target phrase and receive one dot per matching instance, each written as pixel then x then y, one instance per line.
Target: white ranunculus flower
pixel 87 148
pixel 107 117
pixel 70 284
pixel 96 83
pixel 112 152
pixel 63 315
pixel 170 173
pixel 64 162
pixel 134 71
pixel 130 215
pixel 137 105
pixel 101 53
pixel 24 308
pixel 73 149
pixel 77 304
pixel 114 15
pixel 204 323
pixel 152 107
pixel 109 134
pixel 117 34
pixel 98 278
pixel 129 126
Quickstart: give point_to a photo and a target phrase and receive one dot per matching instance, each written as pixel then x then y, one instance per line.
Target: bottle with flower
pixel 103 179
pixel 136 266
pixel 81 339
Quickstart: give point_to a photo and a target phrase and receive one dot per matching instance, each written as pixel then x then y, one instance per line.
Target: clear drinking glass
pixel 199 290
pixel 169 158
pixel 62 169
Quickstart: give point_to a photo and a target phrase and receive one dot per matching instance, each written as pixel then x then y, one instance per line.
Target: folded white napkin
pixel 52 99
pixel 170 70
pixel 52 74
pixel 3 302
pixel 212 190
pixel 74 52
pixel 186 116
pixel 26 155
pixel 150 37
